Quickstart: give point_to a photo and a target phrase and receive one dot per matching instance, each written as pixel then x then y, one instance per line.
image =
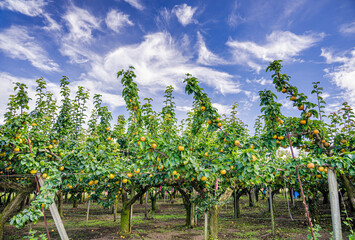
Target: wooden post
pixel 146 208
pixel 87 212
pixel 55 214
pixel 195 215
pixel 206 226
pixel 235 204
pixel 271 211
pixel 334 204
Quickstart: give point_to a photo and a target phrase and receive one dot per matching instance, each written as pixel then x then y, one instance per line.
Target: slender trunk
pixel 154 203
pixel 236 207
pixel 75 202
pixel 350 189
pixel 291 197
pixel 251 204
pixel 190 210
pixel 80 198
pixel 256 194
pixel 60 202
pixel 141 200
pixel 213 222
pixel 115 210
pixel 325 197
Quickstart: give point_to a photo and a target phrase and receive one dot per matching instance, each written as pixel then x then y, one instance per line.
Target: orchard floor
pixel 167 223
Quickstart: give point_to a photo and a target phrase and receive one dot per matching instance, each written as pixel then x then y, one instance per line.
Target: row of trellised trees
pixel 207 155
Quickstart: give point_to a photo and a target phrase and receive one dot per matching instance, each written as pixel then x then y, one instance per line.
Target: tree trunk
pixel 126 211
pixel 250 194
pixel 236 207
pixel 14 205
pixel 125 218
pixel 141 200
pixel 153 199
pixel 75 202
pixel 256 194
pixel 325 197
pixel 66 197
pixel 190 210
pixel 59 195
pixel 115 210
pixel 213 222
pixel 350 189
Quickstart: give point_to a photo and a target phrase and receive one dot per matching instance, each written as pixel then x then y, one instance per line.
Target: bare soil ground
pixel 168 223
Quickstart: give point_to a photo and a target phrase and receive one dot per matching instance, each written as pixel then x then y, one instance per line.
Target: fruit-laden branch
pixel 51 153
pixel 161 153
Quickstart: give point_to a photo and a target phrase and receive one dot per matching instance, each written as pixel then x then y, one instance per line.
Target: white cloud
pixel 27 7
pixel 278 45
pixel 184 13
pixel 222 109
pixel 81 24
pixel 252 96
pixel 117 20
pixel 135 3
pixel 205 56
pixel 342 75
pixel 183 108
pixel 348 28
pixel 286 103
pixel 158 63
pixel 163 19
pixel 16 43
pixel 262 81
pixel 76 43
pixel 52 25
pixel 234 19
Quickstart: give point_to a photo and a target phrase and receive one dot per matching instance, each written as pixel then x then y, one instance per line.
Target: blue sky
pixel 225 44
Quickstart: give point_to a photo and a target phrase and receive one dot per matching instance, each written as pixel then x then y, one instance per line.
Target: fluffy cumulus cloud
pixel 343 74
pixel 116 20
pixel 135 3
pixel 278 45
pixel 158 62
pixel 184 13
pixel 205 56
pixel 28 7
pixel 17 43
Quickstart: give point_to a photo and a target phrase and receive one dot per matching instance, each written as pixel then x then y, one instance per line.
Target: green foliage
pixel 34 236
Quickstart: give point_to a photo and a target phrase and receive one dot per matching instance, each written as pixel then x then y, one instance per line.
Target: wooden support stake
pixel 334 204
pixel 206 226
pixel 271 212
pixel 87 212
pixel 55 214
pixel 146 207
pixel 235 204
